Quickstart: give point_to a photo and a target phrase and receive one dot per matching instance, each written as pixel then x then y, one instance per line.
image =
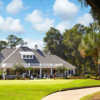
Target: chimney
pixel 36 47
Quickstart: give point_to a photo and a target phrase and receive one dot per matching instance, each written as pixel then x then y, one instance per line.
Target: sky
pixel 31 19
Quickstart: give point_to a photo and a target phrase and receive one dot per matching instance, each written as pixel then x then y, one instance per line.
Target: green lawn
pixel 88 97
pixel 37 89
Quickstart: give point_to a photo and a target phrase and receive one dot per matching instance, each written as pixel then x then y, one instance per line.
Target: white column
pixel 4 74
pixel 73 71
pixel 65 72
pixel 40 73
pixel 51 72
pixel 29 72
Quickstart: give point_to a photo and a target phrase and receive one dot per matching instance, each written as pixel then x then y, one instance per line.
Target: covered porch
pixel 37 71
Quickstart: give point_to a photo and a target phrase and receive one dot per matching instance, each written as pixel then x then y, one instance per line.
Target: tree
pixel 90 44
pixel 3 44
pixel 13 41
pixel 66 46
pixel 53 41
pixel 95 7
pixel 72 39
pixel 19 69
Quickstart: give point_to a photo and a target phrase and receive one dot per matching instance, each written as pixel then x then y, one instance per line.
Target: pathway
pixel 72 94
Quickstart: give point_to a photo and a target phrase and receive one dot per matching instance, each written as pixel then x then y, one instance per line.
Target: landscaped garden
pixel 37 89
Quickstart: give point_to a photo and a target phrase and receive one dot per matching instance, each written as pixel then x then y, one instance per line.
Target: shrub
pixel 19 69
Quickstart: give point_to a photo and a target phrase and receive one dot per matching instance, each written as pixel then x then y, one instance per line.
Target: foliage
pixel 66 46
pixel 19 68
pixel 90 43
pixel 78 45
pixel 71 41
pixel 95 7
pixel 13 41
pixel 61 69
pixel 53 41
pixel 3 44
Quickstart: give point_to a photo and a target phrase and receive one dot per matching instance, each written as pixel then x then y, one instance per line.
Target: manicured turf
pixel 37 89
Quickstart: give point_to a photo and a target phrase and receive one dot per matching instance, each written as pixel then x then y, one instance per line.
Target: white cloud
pixel 10 25
pixel 44 26
pixel 39 22
pixel 34 17
pixel 31 43
pixel 14 6
pixel 86 19
pixel 63 26
pixel 65 9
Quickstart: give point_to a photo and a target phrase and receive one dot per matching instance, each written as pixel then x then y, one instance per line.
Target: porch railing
pixel 37 65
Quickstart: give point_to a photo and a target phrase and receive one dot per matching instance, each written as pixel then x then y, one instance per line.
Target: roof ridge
pixel 9 55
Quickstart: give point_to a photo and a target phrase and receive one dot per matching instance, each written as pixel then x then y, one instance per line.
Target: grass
pixel 37 89
pixel 95 96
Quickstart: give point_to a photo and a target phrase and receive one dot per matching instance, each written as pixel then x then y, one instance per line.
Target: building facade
pixel 44 65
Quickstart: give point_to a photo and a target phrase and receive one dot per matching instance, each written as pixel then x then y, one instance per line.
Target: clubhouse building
pixel 43 65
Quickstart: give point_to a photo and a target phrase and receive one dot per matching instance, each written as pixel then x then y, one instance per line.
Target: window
pixel 31 57
pixel 24 56
pixel 27 56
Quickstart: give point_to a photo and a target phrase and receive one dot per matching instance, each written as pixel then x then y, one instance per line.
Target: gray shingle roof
pixel 40 57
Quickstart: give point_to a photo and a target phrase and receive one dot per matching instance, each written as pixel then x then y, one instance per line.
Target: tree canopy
pixel 95 7
pixel 3 44
pixel 73 43
pixel 13 41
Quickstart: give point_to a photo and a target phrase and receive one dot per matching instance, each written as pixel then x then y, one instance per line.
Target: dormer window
pixel 27 55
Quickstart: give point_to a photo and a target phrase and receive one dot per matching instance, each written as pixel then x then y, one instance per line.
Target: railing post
pixel 40 74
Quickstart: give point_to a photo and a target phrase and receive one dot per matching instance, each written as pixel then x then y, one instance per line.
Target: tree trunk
pixel 99 69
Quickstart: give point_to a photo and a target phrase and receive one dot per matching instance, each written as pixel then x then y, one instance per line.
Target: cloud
pixel 10 25
pixel 14 6
pixel 35 17
pixel 86 19
pixel 39 22
pixel 31 43
pixel 62 26
pixel 44 26
pixel 65 9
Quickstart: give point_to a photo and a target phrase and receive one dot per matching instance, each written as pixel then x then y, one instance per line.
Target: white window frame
pixel 28 56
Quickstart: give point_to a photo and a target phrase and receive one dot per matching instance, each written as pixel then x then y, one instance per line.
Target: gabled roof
pixel 12 56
